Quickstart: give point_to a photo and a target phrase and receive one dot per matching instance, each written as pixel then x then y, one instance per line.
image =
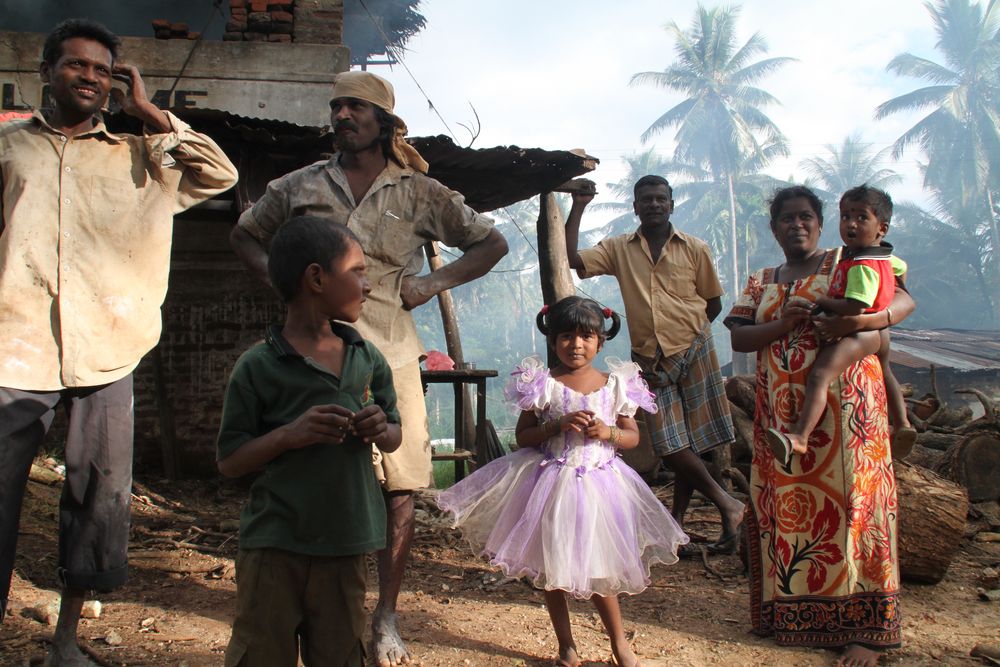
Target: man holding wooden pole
pixel 671 294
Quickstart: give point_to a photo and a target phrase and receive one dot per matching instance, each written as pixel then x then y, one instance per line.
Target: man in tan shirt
pixel 84 255
pixel 671 294
pixel 376 185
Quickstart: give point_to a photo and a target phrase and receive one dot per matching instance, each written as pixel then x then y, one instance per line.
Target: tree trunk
pixel 939 441
pixel 995 238
pixel 743 426
pixel 932 513
pixel 732 236
pixel 553 264
pixel 975 464
pixel 741 390
pixel 452 339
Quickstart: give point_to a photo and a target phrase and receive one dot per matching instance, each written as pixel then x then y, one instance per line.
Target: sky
pixel 555 74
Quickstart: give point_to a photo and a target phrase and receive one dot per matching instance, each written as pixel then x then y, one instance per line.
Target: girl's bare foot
pixel 855 655
pixel 568 657
pixel 624 657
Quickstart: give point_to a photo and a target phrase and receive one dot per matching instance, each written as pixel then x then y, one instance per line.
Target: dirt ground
pixel 455 610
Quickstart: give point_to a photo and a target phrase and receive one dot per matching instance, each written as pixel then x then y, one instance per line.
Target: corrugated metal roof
pixel 489 178
pixel 963 350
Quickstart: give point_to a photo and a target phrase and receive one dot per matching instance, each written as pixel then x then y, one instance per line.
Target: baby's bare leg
pixel 832 360
pixel 893 394
pixel 903 434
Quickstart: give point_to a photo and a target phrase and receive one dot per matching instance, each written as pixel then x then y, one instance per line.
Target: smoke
pixel 129 18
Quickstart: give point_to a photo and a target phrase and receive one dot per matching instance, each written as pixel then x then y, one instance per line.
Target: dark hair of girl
pixel 577 314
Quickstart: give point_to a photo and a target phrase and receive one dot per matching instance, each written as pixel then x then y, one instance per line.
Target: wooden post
pixel 165 414
pixel 553 265
pixel 453 342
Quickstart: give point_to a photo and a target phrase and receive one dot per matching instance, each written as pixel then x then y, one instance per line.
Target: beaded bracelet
pixel 615 435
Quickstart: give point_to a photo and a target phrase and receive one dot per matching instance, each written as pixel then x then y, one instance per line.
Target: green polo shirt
pixel 321 500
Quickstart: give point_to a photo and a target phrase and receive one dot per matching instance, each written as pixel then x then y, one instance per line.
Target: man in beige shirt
pixel 84 255
pixel 671 294
pixel 376 185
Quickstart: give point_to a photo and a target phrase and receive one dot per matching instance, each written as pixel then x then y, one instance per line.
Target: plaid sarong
pixel 693 409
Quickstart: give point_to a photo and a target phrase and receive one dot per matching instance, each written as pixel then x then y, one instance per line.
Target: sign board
pixel 275 81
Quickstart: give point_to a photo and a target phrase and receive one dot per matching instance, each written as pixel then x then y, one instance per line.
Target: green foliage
pixel 368 24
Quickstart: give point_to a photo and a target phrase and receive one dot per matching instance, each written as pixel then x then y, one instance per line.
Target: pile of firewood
pixel 955 462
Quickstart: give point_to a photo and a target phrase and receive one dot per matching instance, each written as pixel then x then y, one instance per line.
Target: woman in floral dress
pixel 821 529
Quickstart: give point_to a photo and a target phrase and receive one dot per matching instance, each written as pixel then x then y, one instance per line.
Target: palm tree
pixel 961 133
pixel 720 125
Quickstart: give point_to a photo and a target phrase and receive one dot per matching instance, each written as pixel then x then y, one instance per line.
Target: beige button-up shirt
pixel 401 212
pixel 664 301
pixel 85 245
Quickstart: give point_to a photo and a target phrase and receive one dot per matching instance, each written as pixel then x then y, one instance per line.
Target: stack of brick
pixel 259 21
pixel 164 29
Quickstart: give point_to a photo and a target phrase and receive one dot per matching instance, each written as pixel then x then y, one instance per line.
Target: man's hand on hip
pixel 416 291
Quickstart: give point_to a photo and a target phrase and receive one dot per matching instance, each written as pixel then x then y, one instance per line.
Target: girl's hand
pixel 578 421
pixel 598 430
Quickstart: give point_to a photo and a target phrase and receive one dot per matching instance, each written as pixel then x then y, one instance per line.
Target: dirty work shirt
pixel 321 500
pixel 401 212
pixel 664 302
pixel 85 245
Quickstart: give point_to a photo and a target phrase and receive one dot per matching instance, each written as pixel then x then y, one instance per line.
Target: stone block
pixel 236 26
pixel 281 17
pixel 274 37
pixel 232 37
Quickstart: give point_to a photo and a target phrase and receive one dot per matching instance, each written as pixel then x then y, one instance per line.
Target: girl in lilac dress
pixel 564 509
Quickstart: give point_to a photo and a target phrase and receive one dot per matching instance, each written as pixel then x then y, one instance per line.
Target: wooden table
pixel 458 378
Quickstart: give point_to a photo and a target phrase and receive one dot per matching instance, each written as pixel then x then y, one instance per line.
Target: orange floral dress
pixel 822 530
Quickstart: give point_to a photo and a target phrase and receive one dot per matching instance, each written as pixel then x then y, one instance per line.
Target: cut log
pixel 743 426
pixel 925 457
pixel 939 441
pixel 947 417
pixel 741 390
pixel 975 464
pixel 932 513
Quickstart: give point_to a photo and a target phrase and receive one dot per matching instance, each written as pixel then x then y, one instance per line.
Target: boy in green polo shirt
pixel 304 408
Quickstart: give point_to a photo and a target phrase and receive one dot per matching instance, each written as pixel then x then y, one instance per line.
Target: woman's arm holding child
pixel 832 327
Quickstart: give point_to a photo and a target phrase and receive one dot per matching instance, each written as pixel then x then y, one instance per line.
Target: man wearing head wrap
pixel 376 185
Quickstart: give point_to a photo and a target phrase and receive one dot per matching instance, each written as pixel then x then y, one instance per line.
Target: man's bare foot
pixel 624 657
pixel 388 649
pixel 855 655
pixel 67 655
pixel 568 657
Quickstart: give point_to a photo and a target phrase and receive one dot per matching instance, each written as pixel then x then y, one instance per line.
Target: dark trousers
pixel 96 496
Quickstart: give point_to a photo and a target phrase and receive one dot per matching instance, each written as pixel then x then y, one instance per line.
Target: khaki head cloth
pixel 376 90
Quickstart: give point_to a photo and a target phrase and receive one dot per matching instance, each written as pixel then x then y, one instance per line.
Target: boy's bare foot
pixel 388 649
pixel 568 657
pixel 67 655
pixel 855 655
pixel 902 442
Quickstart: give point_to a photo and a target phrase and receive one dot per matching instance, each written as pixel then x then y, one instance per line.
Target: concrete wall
pixel 289 82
